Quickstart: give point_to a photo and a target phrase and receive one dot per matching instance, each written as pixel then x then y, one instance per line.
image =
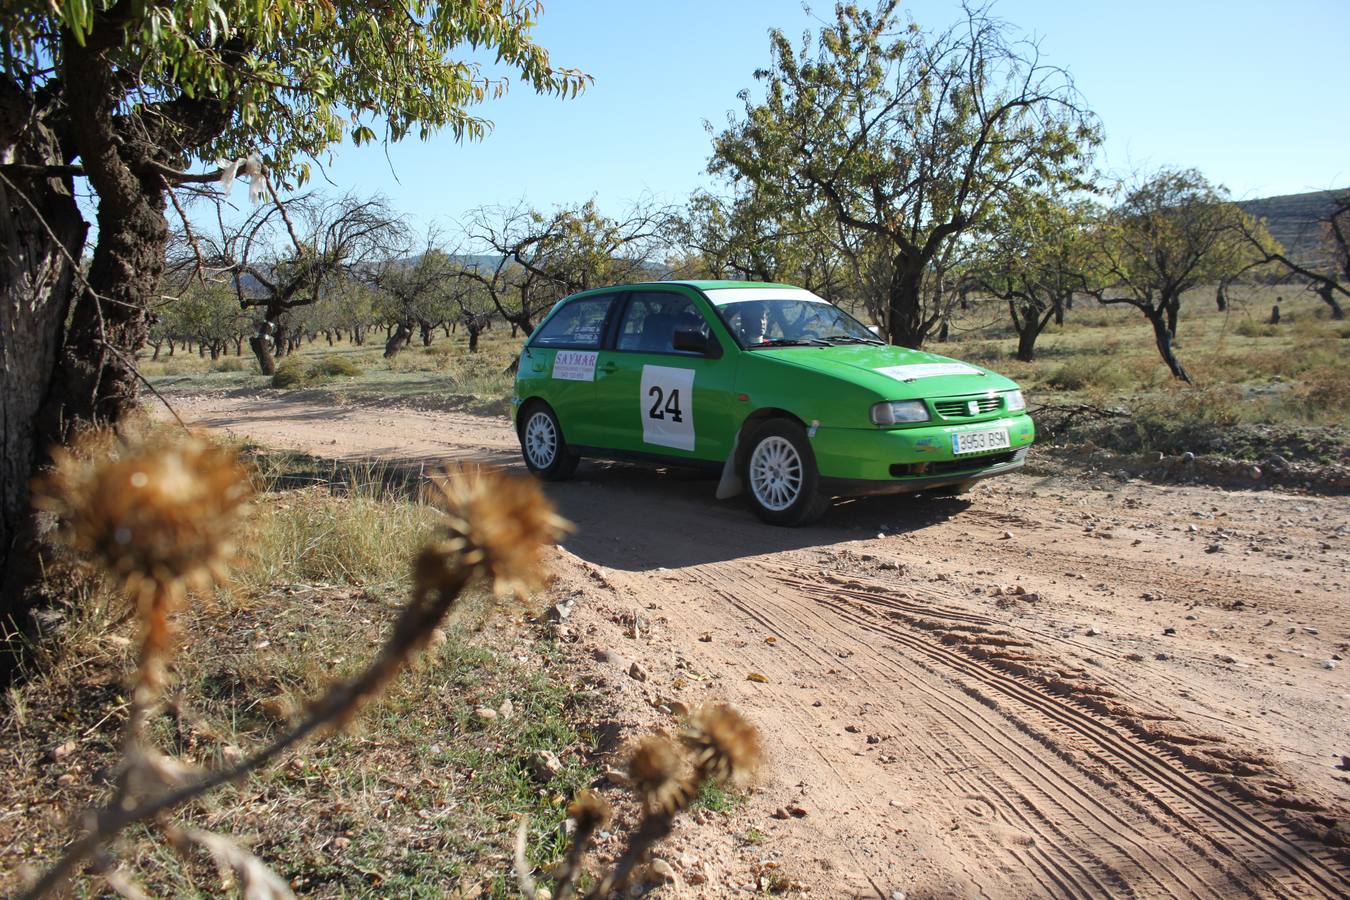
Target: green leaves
pixel 286 74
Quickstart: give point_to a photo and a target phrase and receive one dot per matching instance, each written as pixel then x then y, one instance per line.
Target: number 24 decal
pixel 671 404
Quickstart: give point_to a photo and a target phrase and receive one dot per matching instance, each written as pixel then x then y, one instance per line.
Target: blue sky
pixel 1249 93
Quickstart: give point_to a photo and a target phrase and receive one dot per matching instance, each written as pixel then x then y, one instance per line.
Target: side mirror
pixel 691 340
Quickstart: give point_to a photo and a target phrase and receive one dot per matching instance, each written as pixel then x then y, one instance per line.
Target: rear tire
pixel 781 478
pixel 543 446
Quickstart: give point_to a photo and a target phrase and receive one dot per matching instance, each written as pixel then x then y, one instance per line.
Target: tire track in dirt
pixel 1263 845
pixel 1106 848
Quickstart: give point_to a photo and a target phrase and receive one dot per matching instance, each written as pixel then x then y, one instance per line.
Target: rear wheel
pixel 542 445
pixel 781 476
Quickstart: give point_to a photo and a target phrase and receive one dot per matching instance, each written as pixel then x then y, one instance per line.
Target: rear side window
pixel 651 320
pixel 578 325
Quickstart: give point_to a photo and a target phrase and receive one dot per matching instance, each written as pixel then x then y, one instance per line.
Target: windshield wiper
pixel 790 342
pixel 850 339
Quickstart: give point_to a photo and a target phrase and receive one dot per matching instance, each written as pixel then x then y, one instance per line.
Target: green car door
pixel 562 354
pixel 653 398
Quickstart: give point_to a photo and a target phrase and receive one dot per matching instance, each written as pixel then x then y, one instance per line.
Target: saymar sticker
pixel 926 370
pixel 575 365
pixel 666 404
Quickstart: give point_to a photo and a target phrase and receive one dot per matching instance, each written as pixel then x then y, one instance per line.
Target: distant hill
pixel 1292 220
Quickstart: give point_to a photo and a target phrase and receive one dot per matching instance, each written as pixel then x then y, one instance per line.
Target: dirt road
pixel 1053 687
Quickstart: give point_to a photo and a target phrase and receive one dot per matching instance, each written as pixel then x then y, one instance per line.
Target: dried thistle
pixel 498 524
pixel 724 746
pixel 657 772
pixel 590 812
pixel 158 516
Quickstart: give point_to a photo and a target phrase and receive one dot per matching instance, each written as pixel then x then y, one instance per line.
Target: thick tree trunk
pixel 905 315
pixel 1172 309
pixel 425 328
pixel 94 380
pixel 473 338
pixel 1162 335
pixel 37 242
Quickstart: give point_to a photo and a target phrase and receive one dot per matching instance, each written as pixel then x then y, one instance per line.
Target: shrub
pixel 290 373
pixel 229 364
pixel 333 367
pixel 293 372
pixel 1085 373
pixel 1253 328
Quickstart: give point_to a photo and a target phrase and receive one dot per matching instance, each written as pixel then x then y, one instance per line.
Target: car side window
pixel 579 325
pixel 651 320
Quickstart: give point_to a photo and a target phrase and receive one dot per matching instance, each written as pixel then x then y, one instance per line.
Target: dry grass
pixel 418 798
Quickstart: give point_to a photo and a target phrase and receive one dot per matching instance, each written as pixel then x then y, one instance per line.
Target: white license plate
pixel 979 441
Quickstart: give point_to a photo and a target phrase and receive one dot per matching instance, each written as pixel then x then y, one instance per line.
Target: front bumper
pixel 856 461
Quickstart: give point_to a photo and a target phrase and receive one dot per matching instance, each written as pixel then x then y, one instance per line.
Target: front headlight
pixel 1014 401
pixel 898 412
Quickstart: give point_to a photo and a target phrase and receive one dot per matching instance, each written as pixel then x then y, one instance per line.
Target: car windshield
pixel 787 321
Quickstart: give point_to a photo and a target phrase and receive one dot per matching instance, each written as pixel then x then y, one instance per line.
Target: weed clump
pixel 294 372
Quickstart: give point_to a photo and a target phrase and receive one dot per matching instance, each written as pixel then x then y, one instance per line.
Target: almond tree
pixel 1039 258
pixel 913 138
pixel 1173 232
pixel 128 99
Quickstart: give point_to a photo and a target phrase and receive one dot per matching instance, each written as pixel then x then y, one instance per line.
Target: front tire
pixel 542 444
pixel 782 482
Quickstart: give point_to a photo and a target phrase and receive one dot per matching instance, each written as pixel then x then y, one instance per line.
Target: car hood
pixel 894 373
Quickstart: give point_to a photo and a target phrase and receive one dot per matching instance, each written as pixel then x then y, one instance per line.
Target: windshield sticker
pixel 575 365
pixel 927 370
pixel 666 404
pixel 725 296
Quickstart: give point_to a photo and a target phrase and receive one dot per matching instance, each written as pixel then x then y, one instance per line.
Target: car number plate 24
pixel 979 441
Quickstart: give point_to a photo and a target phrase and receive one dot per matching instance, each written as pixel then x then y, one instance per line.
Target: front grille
pixel 951 466
pixel 959 407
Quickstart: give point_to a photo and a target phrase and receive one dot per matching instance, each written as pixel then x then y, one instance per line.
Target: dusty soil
pixel 1056 686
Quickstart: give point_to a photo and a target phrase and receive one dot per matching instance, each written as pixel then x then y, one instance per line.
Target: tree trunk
pixel 37 277
pixel 426 331
pixel 154 357
pixel 261 344
pixel 359 335
pixel 1172 308
pixel 1162 335
pixel 1328 295
pixel 94 381
pixel 473 337
pixel 397 340
pixel 905 315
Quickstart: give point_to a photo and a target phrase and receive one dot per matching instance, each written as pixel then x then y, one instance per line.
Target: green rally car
pixel 794 400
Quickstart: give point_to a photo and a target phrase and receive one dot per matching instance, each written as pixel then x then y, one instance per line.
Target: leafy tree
pixel 1171 233
pixel 1039 258
pixel 127 95
pixel 911 137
